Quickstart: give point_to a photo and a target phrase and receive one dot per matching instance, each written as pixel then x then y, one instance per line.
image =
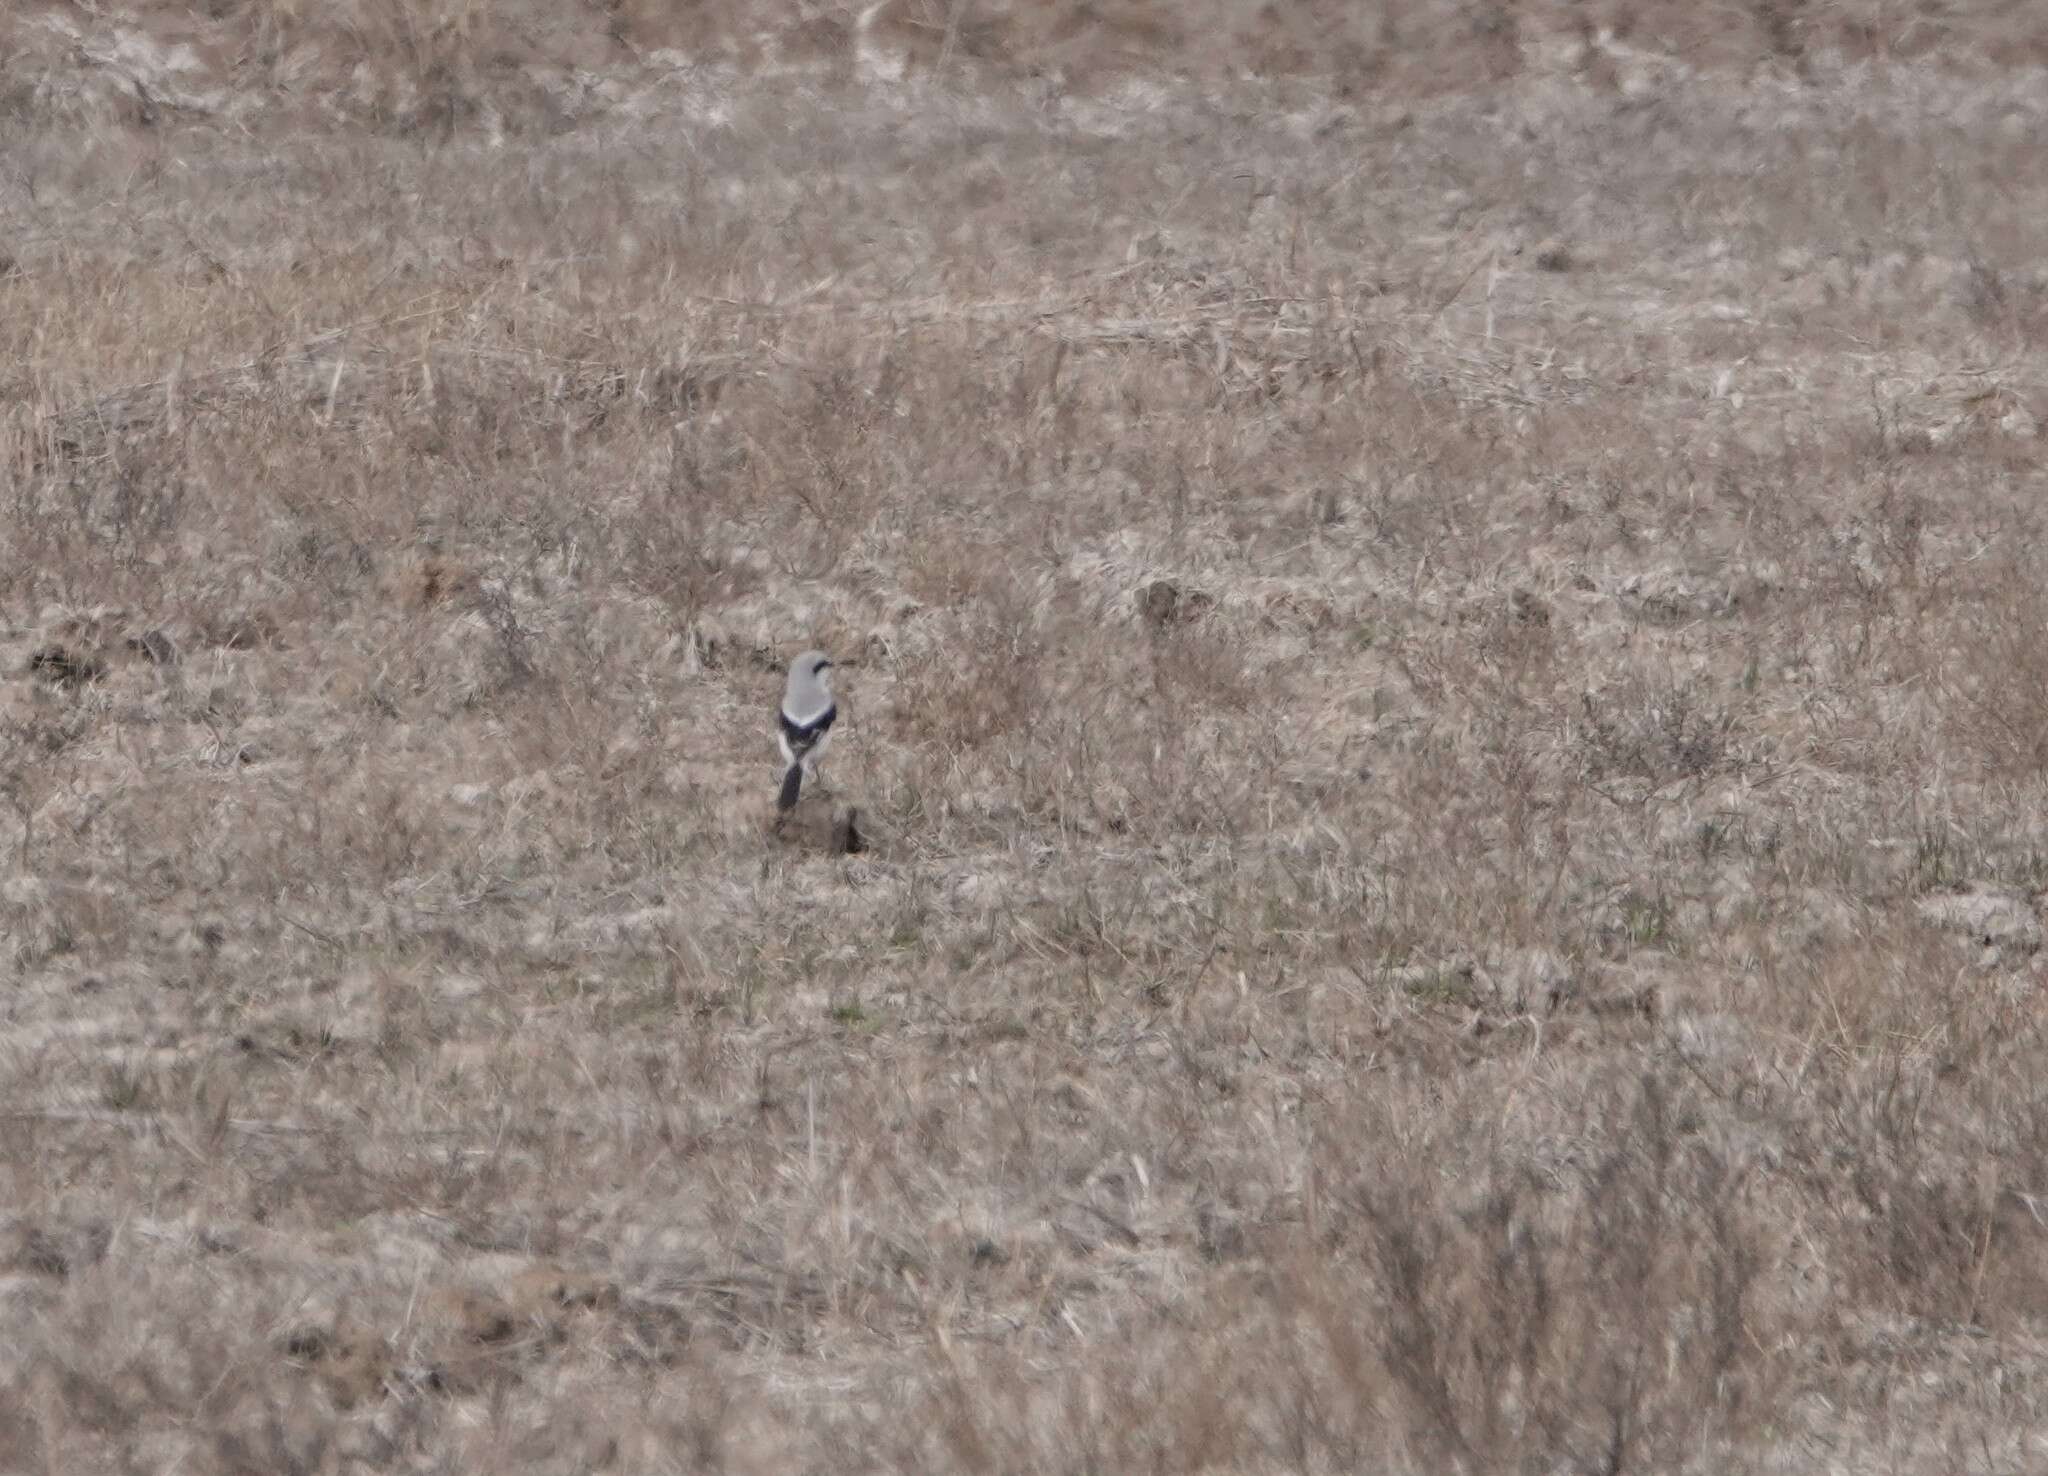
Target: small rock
pixel 1162 602
pixel 815 826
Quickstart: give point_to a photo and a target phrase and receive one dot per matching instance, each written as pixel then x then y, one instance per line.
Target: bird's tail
pixel 791 783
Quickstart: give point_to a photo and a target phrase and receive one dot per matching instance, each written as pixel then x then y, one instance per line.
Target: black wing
pixel 802 737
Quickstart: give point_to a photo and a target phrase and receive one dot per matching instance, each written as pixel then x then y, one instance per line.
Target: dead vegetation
pixel 1434 858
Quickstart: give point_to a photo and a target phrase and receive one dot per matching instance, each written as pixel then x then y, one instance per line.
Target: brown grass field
pixel 1444 656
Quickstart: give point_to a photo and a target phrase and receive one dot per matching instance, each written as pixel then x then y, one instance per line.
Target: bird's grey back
pixel 806 697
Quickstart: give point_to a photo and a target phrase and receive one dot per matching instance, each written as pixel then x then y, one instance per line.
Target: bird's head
pixel 817 666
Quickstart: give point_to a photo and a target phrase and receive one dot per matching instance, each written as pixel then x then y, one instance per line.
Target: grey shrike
pixel 806 721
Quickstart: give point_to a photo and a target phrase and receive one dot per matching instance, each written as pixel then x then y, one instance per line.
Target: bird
pixel 806 722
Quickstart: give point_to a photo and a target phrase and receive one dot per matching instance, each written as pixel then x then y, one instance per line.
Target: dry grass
pixel 1445 658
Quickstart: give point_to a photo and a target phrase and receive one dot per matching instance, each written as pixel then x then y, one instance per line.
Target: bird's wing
pixel 802 732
